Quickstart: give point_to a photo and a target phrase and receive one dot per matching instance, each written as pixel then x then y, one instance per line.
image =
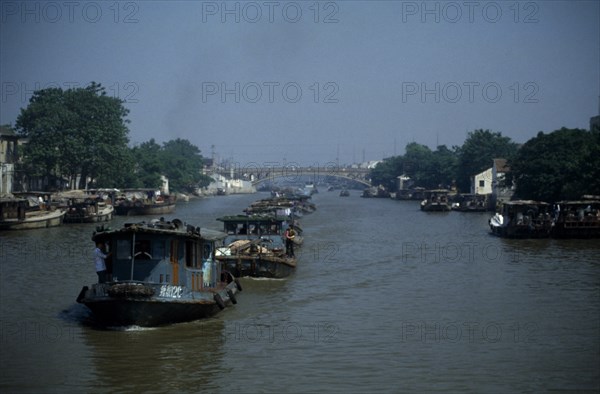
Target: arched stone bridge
pixel 262 173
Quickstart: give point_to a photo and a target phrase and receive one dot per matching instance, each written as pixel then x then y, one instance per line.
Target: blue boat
pixel 160 273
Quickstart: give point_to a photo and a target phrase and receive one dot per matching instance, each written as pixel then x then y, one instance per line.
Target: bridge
pixel 292 173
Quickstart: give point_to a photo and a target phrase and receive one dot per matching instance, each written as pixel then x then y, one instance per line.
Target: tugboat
pixel 523 219
pixel 159 273
pixel 255 246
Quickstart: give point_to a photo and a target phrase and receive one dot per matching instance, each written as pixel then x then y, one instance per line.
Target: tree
pixel 425 168
pixel 386 172
pixel 478 151
pixel 182 163
pixel 179 160
pixel 564 164
pixel 75 132
pixel 148 165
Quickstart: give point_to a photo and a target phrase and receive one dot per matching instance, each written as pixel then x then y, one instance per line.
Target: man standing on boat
pixel 99 261
pixel 289 234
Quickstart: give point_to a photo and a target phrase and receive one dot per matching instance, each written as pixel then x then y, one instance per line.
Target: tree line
pixel 561 165
pixel 82 134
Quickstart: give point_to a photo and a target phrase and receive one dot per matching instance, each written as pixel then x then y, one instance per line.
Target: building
pixel 482 183
pixel 8 159
pixel 500 192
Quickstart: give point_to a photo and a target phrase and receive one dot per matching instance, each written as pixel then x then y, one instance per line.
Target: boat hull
pixel 258 267
pixel 102 216
pixel 155 310
pixel 155 209
pixel 521 231
pixel 435 208
pixel 576 230
pixel 52 219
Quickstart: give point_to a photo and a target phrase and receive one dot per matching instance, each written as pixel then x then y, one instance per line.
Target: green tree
pixel 179 160
pixel 148 165
pixel 426 168
pixel 478 151
pixel 183 164
pixel 386 172
pixel 75 132
pixel 564 164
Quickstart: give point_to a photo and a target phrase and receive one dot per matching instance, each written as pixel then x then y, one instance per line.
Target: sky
pixel 312 82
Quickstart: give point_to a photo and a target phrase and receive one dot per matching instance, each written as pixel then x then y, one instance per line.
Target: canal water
pixel 386 298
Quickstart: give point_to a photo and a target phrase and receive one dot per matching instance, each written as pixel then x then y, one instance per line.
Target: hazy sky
pixel 302 81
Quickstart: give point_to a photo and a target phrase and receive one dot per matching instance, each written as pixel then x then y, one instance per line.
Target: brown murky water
pixel 385 298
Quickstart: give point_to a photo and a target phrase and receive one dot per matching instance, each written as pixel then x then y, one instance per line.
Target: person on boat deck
pixel 289 234
pixel 99 261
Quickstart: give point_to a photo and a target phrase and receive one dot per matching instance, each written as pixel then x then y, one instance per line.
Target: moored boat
pixel 345 193
pixel 16 214
pixel 577 219
pixel 160 273
pixel 87 209
pixel 144 202
pixel 375 192
pixel 436 201
pixel 523 219
pixel 471 203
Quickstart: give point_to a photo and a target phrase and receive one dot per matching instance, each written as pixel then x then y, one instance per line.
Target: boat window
pixel 192 257
pixel 123 249
pixel 190 254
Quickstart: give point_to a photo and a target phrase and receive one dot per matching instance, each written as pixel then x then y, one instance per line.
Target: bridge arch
pixel 275 176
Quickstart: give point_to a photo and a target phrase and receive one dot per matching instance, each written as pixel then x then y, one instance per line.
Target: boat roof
pixel 581 202
pixel 32 193
pixel 6 200
pixel 526 202
pixel 252 218
pixel 159 227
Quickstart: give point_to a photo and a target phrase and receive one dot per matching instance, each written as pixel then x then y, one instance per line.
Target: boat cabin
pixel 13 208
pixel 162 252
pixel 269 228
pixel 577 219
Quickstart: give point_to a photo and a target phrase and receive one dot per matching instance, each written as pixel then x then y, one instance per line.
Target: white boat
pixel 14 215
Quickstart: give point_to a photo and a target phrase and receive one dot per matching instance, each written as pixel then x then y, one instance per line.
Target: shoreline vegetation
pixel 78 139
pixel 561 165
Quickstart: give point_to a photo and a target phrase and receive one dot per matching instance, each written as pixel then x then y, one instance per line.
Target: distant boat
pixel 471 203
pixel 523 219
pixel 144 202
pixel 344 193
pixel 292 205
pixel 16 214
pixel 436 201
pixel 160 273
